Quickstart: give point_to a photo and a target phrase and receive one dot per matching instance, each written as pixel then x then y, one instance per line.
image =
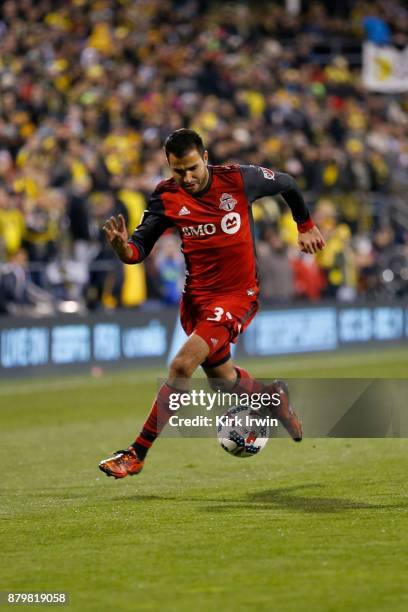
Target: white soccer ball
pixel 242 432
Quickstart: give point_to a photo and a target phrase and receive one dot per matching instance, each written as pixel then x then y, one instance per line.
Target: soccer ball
pixel 242 432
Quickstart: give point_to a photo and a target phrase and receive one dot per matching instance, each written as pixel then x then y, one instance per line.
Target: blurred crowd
pixel 89 89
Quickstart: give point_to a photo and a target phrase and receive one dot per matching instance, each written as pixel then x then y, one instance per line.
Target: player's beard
pixel 197 186
pixel 191 187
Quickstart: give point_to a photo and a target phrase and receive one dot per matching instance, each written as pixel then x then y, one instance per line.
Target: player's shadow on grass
pixel 284 498
pixel 287 498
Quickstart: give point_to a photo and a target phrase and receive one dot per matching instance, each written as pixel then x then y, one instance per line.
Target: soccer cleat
pixel 284 412
pixel 123 463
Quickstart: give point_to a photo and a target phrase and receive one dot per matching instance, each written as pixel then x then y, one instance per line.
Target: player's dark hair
pixel 182 141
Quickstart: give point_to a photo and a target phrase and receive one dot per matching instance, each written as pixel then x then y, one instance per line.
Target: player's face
pixel 190 171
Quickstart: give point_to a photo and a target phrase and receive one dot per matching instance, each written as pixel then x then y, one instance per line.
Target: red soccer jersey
pixel 216 226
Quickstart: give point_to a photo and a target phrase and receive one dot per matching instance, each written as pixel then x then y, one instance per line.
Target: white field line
pixel 279 366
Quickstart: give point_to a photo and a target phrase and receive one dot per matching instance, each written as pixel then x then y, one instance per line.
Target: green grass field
pixel 322 525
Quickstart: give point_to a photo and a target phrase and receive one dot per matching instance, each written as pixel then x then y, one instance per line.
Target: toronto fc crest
pixel 227 202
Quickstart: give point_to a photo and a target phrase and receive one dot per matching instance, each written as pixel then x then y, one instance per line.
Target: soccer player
pixel 210 206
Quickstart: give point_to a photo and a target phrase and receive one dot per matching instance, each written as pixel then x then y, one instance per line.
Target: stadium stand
pixel 90 89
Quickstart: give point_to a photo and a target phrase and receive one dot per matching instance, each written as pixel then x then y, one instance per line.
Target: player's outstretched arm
pixel 311 241
pixel 117 236
pixel 260 182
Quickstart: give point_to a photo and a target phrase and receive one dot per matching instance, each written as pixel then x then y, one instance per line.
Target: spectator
pixel 170 270
pixel 12 224
pixel 274 268
pixel 376 28
pixel 18 294
pixel 106 277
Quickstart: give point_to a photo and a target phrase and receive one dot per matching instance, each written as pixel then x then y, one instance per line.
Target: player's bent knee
pixel 181 367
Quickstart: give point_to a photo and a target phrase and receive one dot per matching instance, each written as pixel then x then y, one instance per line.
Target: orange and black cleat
pixel 123 463
pixel 284 412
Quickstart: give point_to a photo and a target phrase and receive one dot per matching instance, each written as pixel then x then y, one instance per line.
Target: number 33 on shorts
pixel 219 313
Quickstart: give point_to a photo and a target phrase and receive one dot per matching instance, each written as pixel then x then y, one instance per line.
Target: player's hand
pixel 116 234
pixel 311 241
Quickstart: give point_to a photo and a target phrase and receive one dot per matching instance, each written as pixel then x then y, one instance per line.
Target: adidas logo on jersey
pixel 214 341
pixel 184 211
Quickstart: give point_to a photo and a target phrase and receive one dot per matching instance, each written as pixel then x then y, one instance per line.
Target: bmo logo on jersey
pixel 204 229
pixel 231 223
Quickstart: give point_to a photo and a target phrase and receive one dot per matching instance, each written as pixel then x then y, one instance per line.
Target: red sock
pixel 246 384
pixel 158 417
